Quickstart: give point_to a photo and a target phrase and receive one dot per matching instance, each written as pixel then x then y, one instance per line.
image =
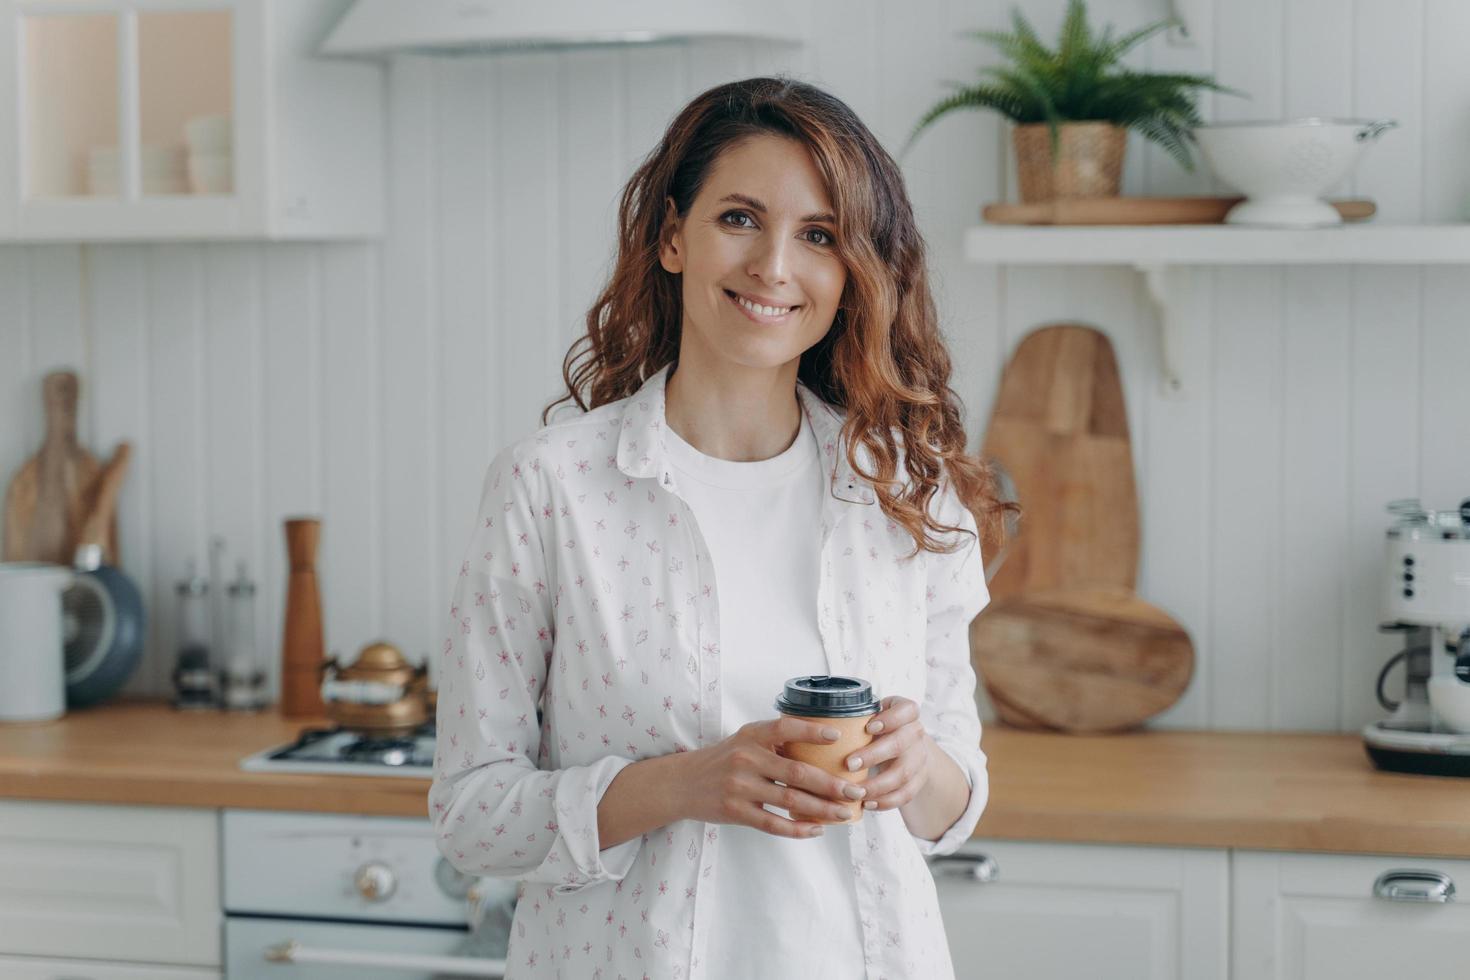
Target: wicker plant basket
pixel 1090 160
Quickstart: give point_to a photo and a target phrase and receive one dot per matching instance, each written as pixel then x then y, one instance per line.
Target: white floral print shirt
pixel 587 583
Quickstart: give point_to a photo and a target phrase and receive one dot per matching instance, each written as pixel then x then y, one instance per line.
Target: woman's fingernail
pixel 870 805
pixel 854 763
pixel 855 792
pixel 831 733
pixel 815 831
pixel 875 727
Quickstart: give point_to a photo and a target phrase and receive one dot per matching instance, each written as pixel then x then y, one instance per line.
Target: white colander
pixel 1283 168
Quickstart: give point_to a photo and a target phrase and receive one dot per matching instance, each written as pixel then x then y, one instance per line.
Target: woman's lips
pixel 758 317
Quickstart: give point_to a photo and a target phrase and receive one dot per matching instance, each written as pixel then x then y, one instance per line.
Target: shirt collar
pixel 642 453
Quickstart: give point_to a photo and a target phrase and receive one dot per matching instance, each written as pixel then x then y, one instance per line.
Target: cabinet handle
pixel 972 867
pixel 1409 885
pixel 291 951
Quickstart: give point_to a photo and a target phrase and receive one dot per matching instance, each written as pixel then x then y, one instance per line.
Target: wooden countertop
pixel 1254 790
pixel 127 751
pixel 1270 791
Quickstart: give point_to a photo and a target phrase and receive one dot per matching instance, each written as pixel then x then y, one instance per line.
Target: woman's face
pixel 761 228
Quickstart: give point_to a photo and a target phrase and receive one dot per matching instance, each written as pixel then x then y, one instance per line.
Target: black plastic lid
pixel 827 696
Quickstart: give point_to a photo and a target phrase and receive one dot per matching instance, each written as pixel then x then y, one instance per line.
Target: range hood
pixel 380 27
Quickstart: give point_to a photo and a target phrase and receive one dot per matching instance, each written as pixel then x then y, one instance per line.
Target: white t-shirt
pixel 781 906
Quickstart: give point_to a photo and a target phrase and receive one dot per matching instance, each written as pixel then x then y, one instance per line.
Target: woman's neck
pixel 745 415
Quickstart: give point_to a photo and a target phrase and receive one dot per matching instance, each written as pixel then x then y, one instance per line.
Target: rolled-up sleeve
pixel 495 811
pixel 956 593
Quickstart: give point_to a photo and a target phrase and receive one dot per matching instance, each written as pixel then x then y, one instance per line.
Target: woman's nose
pixel 770 261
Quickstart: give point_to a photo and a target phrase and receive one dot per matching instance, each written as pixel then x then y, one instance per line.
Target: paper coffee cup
pixel 844 703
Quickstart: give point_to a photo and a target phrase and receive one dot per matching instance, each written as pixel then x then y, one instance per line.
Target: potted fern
pixel 1073 106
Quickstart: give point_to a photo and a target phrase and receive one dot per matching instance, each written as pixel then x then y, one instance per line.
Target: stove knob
pixel 375 881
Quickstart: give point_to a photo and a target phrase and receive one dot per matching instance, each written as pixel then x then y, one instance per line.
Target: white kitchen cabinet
pixel 1333 917
pixel 33 968
pixel 122 884
pixel 185 119
pixel 1048 911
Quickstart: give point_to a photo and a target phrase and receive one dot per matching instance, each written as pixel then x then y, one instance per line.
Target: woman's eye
pixel 826 238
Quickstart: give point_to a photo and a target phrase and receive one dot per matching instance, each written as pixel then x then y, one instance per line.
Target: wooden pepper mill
pixel 302 647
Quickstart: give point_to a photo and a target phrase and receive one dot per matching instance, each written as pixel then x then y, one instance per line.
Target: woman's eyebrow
pixel 755 205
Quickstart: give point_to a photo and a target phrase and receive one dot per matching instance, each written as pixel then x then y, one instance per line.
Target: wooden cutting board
pixel 1081 660
pixel 1059 428
pixel 1139 211
pixel 53 492
pixel 101 523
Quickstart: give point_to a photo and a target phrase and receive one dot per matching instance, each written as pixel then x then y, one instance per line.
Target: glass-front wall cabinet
pixel 156 120
pixel 122 104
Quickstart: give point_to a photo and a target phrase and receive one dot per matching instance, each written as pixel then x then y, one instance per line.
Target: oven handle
pixel 291 951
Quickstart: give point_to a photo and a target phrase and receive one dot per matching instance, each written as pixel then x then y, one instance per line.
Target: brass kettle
pixel 381 693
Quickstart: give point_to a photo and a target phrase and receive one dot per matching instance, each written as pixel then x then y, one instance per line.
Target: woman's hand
pixel 728 782
pixel 900 751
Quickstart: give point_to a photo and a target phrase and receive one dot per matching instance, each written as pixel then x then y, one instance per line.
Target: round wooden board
pixel 1080 660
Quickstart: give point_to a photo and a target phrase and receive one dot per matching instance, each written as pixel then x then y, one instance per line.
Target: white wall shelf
pixel 1147 245
pixel 1163 253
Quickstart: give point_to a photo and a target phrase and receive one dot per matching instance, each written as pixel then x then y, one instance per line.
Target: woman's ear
pixel 671 240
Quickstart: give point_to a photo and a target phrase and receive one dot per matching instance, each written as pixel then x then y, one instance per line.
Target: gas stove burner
pixel 390 750
pixel 341 750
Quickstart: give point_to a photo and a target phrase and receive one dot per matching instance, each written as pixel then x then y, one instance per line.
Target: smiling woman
pixel 768 481
pixel 795 178
pixel 770 265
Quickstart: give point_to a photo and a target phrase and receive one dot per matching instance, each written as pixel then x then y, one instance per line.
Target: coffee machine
pixel 1427 599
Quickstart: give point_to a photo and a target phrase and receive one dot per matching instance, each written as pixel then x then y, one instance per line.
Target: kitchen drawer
pixel 35 968
pixel 350 951
pixel 1048 911
pixel 110 882
pixel 1316 916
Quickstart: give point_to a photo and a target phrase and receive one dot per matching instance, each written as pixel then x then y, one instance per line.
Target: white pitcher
pixel 32 657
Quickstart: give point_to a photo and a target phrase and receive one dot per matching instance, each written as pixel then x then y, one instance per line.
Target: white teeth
pixel 763 310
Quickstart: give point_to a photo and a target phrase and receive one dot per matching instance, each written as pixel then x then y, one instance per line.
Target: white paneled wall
pixel 371 383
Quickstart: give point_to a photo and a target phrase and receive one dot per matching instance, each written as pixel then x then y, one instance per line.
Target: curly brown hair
pixel 884 360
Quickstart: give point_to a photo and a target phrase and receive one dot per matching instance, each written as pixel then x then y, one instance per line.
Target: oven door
pixel 297 949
